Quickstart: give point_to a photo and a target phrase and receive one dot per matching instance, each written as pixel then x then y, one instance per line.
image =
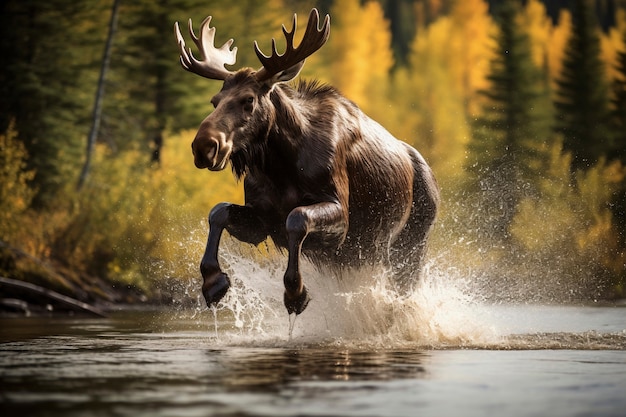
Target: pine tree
pixel 582 103
pixel 403 19
pixel 619 106
pixel 509 137
pixel 50 60
pixel 618 203
pixel 142 90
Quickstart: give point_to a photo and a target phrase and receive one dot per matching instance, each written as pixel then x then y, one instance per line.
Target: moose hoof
pixel 297 304
pixel 215 289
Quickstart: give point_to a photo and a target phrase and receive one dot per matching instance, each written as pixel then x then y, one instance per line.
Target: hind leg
pixel 408 251
pixel 407 261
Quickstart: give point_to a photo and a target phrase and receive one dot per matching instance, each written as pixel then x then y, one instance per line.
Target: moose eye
pixel 248 103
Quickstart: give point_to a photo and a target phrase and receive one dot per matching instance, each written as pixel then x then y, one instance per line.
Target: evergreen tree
pixel 148 93
pixel 402 18
pixel 506 150
pixel 619 106
pixel 582 103
pixel 147 85
pixel 50 64
pixel 618 203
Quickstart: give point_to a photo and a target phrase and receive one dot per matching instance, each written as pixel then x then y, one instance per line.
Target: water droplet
pixel 292 323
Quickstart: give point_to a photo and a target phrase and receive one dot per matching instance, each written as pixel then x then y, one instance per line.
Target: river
pixel 360 352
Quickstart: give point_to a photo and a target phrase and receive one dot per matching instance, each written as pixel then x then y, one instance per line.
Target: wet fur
pixel 313 137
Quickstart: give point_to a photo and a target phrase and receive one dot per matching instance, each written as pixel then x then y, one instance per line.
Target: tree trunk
pixel 97 108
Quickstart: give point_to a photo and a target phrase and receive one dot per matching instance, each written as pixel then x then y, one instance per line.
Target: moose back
pixel 321 179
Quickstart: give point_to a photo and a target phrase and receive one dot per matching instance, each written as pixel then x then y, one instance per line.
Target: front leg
pixel 243 223
pixel 326 217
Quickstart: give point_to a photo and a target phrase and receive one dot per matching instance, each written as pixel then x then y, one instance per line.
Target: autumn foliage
pixel 140 220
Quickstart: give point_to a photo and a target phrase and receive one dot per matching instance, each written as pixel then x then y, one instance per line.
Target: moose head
pixel 241 107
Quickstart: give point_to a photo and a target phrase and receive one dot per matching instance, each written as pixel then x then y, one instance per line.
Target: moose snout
pixel 204 150
pixel 211 149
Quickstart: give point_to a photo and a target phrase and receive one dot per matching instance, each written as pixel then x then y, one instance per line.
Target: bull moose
pixel 320 178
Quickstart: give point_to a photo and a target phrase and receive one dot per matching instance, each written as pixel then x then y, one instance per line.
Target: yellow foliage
pixel 434 116
pixel 539 27
pixel 573 220
pixel 558 40
pixel 460 46
pixel 612 43
pixel 361 50
pixel 542 224
pixel 197 190
pixel 131 223
pixel 15 192
pixel 188 195
pixel 472 46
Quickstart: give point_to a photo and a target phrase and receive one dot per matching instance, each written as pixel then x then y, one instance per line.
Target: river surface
pixel 362 352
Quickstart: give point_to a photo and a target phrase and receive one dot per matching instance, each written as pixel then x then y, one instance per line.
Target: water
pixel 358 350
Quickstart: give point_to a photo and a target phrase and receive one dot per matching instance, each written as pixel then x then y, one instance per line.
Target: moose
pixel 320 178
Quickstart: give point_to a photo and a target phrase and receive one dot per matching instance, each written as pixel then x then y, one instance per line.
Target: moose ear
pixel 288 74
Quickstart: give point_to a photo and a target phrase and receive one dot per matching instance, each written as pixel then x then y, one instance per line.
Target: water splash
pixel 360 307
pixel 448 308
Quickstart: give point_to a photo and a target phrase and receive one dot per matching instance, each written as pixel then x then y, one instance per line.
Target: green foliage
pixel 582 101
pixel 507 156
pixel 618 201
pixel 619 103
pixel 428 100
pixel 47 79
pixel 147 91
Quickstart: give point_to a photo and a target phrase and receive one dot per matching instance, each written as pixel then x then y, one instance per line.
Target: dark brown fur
pixel 320 178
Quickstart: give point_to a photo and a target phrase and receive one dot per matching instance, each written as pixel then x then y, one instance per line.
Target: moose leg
pixel 327 218
pixel 243 223
pixel 408 252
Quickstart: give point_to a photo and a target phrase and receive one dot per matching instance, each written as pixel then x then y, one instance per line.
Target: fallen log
pixel 52 297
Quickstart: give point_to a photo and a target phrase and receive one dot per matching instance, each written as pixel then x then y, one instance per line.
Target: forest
pixel 519 107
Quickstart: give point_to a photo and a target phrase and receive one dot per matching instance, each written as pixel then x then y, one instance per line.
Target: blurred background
pixel 519 107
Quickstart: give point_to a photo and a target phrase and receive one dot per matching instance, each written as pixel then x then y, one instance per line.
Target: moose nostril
pixel 211 153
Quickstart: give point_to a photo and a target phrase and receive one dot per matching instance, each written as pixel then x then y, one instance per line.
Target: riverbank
pixel 30 286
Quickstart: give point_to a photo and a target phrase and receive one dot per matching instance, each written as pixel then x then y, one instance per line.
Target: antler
pixel 313 40
pixel 213 59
